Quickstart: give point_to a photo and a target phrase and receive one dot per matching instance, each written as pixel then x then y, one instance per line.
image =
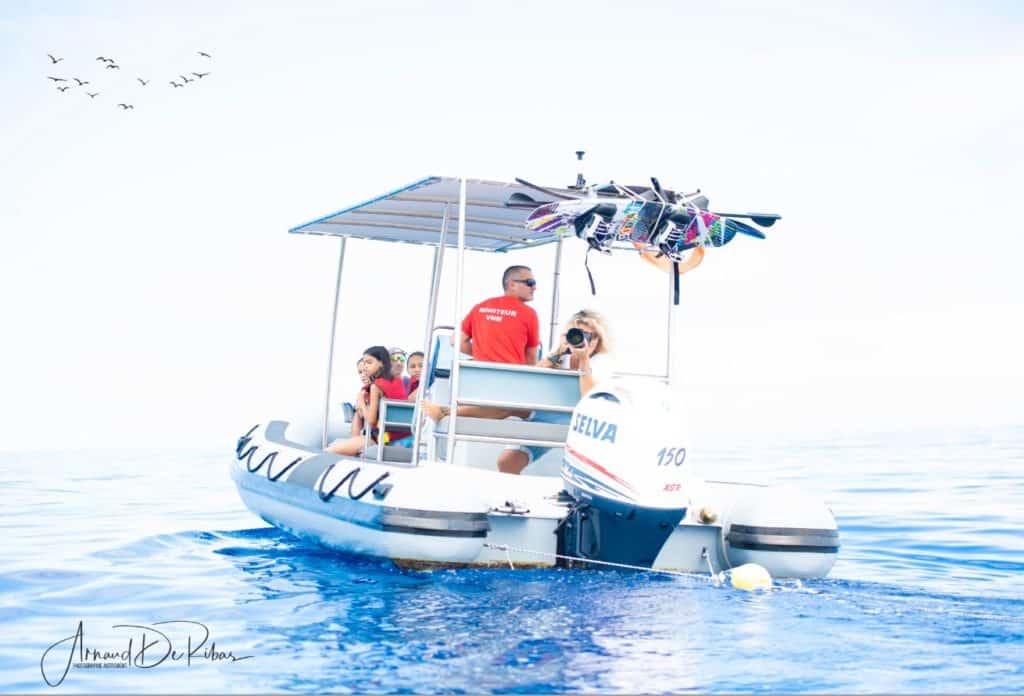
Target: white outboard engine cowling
pixel 625 456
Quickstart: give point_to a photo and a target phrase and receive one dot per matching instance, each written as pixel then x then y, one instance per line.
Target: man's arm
pixel 530 356
pixel 466 345
pixel 532 339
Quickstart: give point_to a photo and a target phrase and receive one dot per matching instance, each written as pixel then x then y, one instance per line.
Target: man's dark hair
pixel 508 273
pixel 415 354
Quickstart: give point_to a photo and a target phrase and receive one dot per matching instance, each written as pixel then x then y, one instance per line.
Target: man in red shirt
pixel 500 329
pixel 503 329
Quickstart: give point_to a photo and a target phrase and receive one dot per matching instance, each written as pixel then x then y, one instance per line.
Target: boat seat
pixel 518 386
pixel 508 430
pixel 394 415
pixel 551 394
pixel 391 454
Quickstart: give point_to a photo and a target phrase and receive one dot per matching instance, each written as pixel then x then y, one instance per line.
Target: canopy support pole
pixel 457 334
pixel 554 296
pixel 330 350
pixel 428 346
pixel 672 280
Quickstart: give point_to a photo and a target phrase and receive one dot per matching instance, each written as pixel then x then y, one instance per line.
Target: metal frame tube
pixel 671 329
pixel 330 350
pixel 428 348
pixel 554 295
pixel 457 335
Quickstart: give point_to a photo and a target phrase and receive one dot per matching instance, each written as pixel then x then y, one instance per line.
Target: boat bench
pixel 394 415
pixel 554 393
pixel 501 431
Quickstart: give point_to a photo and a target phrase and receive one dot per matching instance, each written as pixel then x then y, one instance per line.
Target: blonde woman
pixel 592 358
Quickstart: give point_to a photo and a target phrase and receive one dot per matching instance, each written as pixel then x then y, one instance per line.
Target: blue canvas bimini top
pixel 413 214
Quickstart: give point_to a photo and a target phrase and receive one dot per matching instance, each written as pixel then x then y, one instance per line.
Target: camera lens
pixel 574 337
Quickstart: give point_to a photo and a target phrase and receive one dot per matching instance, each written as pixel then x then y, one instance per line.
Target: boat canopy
pixel 414 214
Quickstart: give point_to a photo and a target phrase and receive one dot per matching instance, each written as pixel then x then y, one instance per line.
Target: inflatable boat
pixel 617 488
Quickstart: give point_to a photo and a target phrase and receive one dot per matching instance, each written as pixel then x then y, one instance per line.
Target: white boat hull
pixel 438 514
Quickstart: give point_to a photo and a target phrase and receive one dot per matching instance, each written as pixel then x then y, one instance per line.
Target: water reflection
pixel 470 630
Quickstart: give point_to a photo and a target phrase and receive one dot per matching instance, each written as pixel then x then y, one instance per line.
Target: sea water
pixel 109 554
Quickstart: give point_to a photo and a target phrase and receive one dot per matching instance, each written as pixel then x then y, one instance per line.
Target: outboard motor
pixel 623 467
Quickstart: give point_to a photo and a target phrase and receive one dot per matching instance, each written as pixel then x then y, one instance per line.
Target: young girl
pixel 357 418
pixel 415 367
pixel 376 366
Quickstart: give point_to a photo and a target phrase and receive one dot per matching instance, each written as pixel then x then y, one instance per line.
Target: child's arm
pixel 370 413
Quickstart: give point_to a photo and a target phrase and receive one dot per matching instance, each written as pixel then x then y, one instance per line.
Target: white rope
pixel 711 570
pixel 506 548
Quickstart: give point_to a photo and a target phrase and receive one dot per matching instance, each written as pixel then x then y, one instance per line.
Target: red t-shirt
pixel 502 328
pixel 393 389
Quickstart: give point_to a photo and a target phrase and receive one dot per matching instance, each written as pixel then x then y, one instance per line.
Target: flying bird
pixel 176 84
pixel 80 83
pixel 64 89
pixel 204 55
pixel 201 74
pixel 92 95
pixel 113 65
pixel 102 58
pixel 144 82
pixel 185 79
pixel 56 79
pixel 54 60
pixel 126 106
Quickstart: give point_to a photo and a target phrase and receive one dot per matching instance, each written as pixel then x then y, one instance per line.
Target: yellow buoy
pixel 750 576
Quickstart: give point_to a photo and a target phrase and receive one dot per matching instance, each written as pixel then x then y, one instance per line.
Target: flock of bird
pixel 111 64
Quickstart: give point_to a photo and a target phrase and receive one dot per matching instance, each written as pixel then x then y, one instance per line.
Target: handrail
pixel 555 289
pixel 435 289
pixel 330 349
pixel 644 375
pixel 457 334
pixel 424 379
pixel 518 405
pixel 504 367
pixel 500 440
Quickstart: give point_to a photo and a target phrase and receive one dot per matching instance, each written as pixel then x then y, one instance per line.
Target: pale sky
pixel 151 294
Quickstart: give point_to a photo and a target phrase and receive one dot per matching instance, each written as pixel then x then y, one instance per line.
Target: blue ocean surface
pixel 926 596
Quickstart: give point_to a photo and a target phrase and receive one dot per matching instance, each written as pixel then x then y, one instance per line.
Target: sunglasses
pixel 398 358
pixel 529 282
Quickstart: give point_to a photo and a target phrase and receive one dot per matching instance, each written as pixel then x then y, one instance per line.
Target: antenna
pixel 580 181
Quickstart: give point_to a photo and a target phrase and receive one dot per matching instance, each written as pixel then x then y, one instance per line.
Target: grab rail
pixel 417 417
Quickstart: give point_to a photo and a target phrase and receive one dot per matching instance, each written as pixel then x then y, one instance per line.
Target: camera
pixel 574 337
